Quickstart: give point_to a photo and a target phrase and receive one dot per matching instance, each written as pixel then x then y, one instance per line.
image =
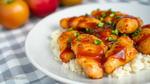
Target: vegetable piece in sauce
pixel 97 42
pixel 100 24
pixel 115 32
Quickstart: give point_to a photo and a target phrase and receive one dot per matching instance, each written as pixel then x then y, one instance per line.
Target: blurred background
pixel 15 14
pixel 17 18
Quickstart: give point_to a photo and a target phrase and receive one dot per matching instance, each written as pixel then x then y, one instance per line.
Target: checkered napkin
pixel 15 68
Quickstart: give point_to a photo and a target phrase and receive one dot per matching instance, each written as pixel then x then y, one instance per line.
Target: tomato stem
pixel 8 1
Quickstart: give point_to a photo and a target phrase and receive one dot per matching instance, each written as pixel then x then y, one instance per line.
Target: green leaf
pixel 101 19
pixel 103 15
pixel 111 39
pixel 109 23
pixel 136 32
pixel 76 34
pixel 70 29
pixel 118 17
pixel 115 32
pixel 97 42
pixel 124 35
pixel 101 24
pixel 112 14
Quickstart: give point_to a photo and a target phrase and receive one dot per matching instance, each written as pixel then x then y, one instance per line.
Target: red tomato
pixel 42 8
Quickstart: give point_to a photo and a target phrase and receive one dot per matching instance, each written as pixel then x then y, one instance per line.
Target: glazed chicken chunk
pixel 89 51
pixel 129 24
pixel 121 52
pixel 142 39
pixel 103 41
pixel 78 22
pixel 64 41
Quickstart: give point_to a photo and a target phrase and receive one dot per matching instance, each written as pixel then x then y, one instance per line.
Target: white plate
pixel 39 52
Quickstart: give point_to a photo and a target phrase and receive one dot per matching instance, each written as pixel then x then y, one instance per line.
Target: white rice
pixel 141 62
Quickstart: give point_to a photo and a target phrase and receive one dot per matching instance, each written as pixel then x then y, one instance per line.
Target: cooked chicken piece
pixel 64 41
pixel 121 52
pixel 89 51
pixel 128 24
pixel 79 22
pixel 88 45
pixel 91 67
pixel 143 40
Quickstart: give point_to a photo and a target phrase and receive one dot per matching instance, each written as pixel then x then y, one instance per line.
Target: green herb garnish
pixel 109 23
pixel 86 14
pixel 100 24
pixel 113 24
pixel 115 32
pixel 101 19
pixel 76 34
pixel 97 9
pixel 110 10
pixel 112 14
pixel 118 17
pixel 136 32
pixel 88 30
pixel 111 39
pixel 70 29
pixel 124 35
pixel 104 15
pixel 97 42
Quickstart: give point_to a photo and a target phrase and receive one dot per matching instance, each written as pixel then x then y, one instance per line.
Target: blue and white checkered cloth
pixel 15 68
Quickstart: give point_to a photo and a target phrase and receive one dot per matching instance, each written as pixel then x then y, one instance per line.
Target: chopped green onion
pixel 97 9
pixel 109 23
pixel 76 34
pixel 124 35
pixel 136 32
pixel 103 15
pixel 88 30
pixel 70 29
pixel 111 39
pixel 86 14
pixel 97 42
pixel 110 9
pixel 112 14
pixel 113 24
pixel 101 19
pixel 101 24
pixel 118 17
pixel 115 32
